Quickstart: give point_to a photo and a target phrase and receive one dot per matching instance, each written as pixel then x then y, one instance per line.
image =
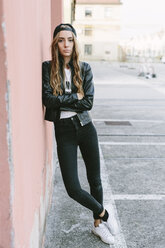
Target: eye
pixel 70 40
pixel 60 40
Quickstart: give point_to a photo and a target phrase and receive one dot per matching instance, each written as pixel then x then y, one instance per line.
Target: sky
pixel 142 17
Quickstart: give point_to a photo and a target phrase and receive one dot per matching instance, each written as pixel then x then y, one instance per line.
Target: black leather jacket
pixel 69 102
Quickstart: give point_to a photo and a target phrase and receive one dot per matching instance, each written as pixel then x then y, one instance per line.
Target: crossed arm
pixel 68 102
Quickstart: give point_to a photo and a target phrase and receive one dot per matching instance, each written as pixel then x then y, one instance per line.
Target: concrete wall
pixel 5 220
pixel 26 161
pixel 56 13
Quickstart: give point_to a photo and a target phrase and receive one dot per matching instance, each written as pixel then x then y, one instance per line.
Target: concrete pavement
pixel 129 114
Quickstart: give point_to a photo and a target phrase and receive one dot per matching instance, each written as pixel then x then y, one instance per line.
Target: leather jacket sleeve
pixel 87 102
pixel 50 100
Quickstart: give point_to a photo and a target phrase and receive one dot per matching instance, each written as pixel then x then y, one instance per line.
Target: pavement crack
pixel 71 229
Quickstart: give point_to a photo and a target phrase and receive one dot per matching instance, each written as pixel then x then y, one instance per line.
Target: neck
pixel 66 61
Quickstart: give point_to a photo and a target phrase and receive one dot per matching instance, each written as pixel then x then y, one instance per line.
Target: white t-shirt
pixel 67 84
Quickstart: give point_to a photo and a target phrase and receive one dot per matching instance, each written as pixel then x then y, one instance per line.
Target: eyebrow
pixel 64 38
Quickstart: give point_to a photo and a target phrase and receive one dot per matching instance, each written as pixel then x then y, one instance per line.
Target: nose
pixel 66 43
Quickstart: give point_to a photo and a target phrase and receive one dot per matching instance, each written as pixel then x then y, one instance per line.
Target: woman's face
pixel 65 43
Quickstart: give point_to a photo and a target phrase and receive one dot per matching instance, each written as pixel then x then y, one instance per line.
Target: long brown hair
pixel 57 62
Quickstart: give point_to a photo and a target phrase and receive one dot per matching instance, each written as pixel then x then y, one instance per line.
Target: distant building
pixel 98 27
pixel 150 45
pixel 68 10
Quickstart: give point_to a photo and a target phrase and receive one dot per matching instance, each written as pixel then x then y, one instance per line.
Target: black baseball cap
pixel 60 28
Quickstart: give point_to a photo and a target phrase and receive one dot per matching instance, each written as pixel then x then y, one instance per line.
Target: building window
pixel 88 13
pixel 107 12
pixel 88 31
pixel 88 49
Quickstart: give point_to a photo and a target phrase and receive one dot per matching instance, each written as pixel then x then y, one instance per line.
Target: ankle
pixel 105 216
pixel 97 222
pixel 102 214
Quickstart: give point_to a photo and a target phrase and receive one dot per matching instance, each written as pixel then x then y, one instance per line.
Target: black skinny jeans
pixel 69 135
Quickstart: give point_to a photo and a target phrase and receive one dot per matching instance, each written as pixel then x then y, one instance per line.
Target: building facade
pixel 98 27
pixel 69 11
pixel 144 46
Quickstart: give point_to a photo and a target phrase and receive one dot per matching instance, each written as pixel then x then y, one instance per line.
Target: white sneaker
pixel 112 225
pixel 104 234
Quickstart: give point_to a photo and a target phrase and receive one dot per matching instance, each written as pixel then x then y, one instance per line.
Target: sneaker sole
pixel 111 243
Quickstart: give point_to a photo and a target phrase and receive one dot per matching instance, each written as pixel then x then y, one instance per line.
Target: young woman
pixel 68 93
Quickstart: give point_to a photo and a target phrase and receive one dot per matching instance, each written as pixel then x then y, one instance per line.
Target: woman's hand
pixel 80 96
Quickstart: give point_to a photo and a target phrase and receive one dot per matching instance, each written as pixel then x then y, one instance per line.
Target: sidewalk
pixel 69 224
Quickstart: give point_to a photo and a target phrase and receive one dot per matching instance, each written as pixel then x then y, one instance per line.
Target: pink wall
pixel 56 13
pixel 27 182
pixel 5 220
